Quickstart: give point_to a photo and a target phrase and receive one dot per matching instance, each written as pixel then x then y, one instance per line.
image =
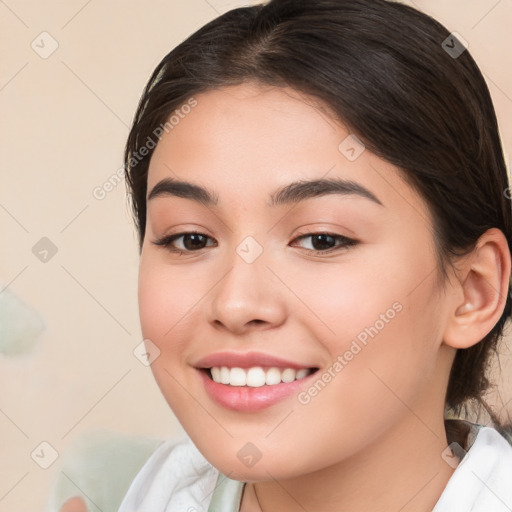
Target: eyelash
pixel 345 242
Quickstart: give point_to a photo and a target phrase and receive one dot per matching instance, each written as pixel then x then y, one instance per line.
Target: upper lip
pixel 247 360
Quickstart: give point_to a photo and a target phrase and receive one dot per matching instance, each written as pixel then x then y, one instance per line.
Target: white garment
pixel 482 481
pixel 177 478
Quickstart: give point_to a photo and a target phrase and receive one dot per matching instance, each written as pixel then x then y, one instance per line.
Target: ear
pixel 481 291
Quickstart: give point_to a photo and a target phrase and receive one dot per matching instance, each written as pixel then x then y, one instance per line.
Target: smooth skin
pixel 372 439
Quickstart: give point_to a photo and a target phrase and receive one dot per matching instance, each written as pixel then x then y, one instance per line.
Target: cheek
pixel 351 296
pixel 155 308
pixel 384 322
pixel 396 339
pixel 166 298
pixel 165 302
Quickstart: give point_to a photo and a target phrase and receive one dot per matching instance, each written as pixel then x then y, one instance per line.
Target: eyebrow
pixel 292 193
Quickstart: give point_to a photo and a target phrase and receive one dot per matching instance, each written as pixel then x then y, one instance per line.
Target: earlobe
pixel 484 282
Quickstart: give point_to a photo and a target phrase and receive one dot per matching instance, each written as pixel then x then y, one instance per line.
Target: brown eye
pixel 193 241
pixel 190 242
pixel 322 243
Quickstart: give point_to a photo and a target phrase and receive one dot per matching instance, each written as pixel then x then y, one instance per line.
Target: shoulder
pixel 175 477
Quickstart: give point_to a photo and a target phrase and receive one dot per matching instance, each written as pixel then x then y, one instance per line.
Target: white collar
pixel 482 482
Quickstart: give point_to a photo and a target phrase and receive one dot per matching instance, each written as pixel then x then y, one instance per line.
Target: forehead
pixel 236 124
pixel 247 140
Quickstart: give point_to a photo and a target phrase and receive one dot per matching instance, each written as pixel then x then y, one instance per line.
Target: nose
pixel 248 297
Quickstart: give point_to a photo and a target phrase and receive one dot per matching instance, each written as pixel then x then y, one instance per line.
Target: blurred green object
pixel 99 467
pixel 20 324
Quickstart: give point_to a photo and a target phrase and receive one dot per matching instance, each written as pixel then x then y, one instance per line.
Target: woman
pixel 325 231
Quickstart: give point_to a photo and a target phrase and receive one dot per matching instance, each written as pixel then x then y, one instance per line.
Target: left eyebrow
pixel 294 192
pixel 306 189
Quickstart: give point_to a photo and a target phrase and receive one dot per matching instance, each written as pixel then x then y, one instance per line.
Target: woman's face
pixel 361 325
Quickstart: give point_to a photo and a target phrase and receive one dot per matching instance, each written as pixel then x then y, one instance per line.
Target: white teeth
pixel 273 376
pixel 288 375
pixel 256 376
pixel 216 373
pixel 224 375
pixel 237 377
pixel 303 372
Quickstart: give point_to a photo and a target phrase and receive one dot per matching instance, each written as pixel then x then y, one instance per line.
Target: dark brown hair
pixel 398 80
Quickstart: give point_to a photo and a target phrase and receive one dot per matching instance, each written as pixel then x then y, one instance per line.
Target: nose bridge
pixel 246 292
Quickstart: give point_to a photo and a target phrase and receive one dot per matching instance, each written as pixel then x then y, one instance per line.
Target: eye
pixel 323 243
pixel 192 241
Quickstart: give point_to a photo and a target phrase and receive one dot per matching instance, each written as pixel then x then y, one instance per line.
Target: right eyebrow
pixel 185 189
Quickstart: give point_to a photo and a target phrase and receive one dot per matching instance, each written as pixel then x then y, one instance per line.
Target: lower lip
pixel 249 399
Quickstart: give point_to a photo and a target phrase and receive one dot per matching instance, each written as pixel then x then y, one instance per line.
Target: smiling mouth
pixel 256 376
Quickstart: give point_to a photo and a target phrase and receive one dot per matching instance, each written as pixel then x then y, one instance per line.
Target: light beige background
pixel 63 123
